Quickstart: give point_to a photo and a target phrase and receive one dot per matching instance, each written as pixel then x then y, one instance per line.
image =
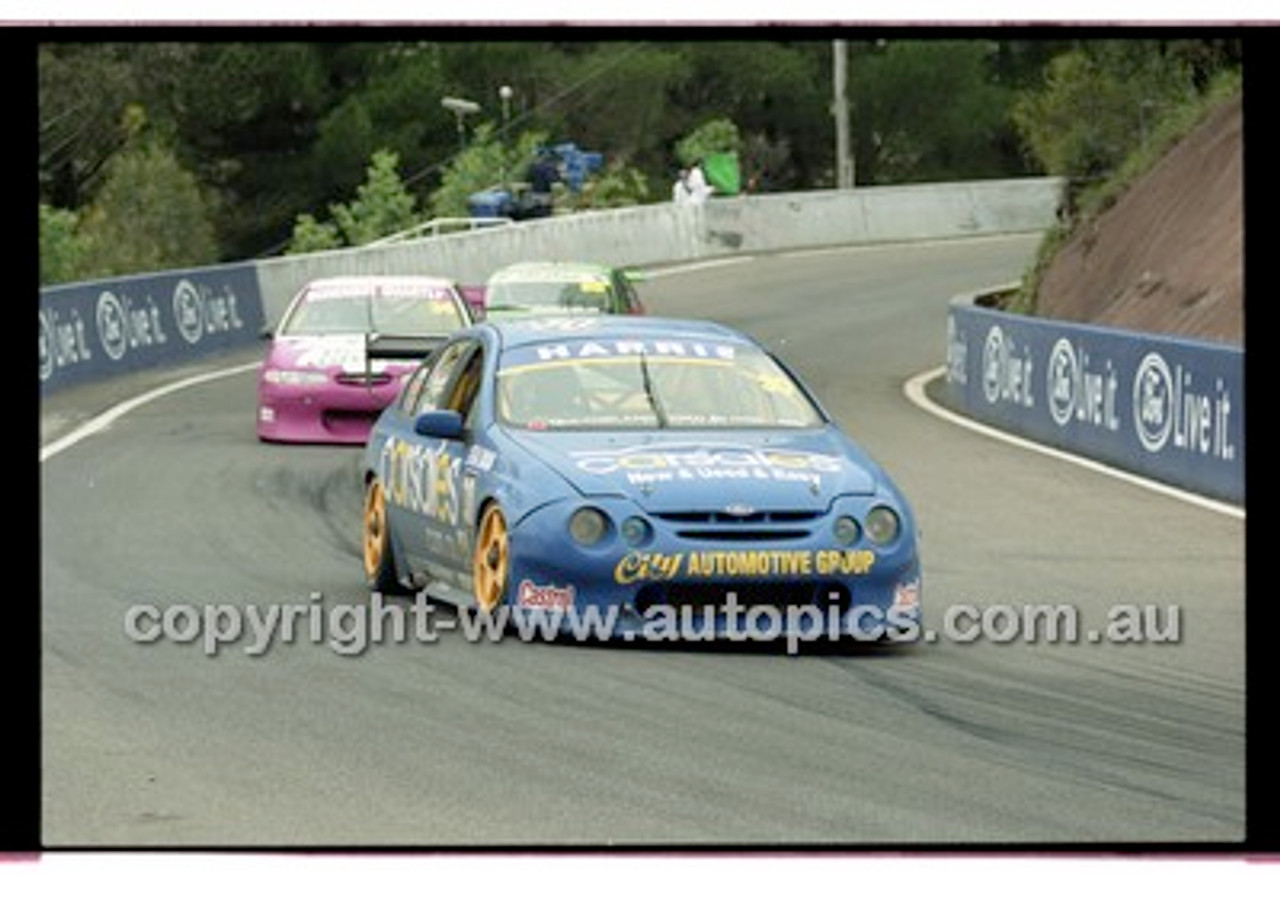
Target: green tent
pixel 721 170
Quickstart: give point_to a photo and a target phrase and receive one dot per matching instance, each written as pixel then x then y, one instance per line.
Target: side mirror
pixel 446 424
pixel 265 333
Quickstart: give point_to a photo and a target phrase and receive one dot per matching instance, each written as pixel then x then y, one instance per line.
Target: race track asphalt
pixel 952 742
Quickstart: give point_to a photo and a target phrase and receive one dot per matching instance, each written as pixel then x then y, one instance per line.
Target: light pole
pixel 840 109
pixel 504 94
pixel 461 108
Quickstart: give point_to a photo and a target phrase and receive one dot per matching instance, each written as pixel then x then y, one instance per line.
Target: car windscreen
pixel 393 312
pixel 649 385
pixel 573 296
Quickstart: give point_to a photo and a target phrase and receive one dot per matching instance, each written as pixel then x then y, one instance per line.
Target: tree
pixel 310 235
pixel 613 98
pixel 382 207
pixel 83 89
pixel 926 110
pixel 713 136
pixel 776 93
pixel 245 118
pixel 150 213
pixel 391 101
pixel 271 128
pixel 618 185
pixel 482 166
pixel 61 249
pixel 1097 102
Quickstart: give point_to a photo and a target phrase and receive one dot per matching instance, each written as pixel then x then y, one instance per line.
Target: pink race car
pixel 343 346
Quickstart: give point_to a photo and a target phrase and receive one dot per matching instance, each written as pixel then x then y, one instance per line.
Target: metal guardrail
pixel 438 226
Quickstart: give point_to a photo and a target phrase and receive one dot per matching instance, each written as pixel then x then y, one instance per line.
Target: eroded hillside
pixel 1168 256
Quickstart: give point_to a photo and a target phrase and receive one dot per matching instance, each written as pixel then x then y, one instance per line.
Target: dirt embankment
pixel 1168 256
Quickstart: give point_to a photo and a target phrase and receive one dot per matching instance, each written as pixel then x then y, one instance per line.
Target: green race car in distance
pixel 542 288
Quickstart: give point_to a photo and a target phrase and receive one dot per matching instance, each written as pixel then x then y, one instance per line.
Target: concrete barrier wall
pixel 1161 406
pixel 665 233
pixel 93 330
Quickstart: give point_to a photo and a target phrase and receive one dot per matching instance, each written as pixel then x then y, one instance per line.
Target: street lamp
pixel 505 93
pixel 460 108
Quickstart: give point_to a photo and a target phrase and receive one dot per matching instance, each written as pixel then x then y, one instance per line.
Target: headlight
pixel 588 525
pixel 846 530
pixel 635 531
pixel 882 525
pixel 294 377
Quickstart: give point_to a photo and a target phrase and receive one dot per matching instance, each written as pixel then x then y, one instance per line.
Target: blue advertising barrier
pixel 1168 408
pixel 93 330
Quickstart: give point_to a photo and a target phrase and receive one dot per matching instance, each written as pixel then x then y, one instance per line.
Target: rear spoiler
pixel 400 347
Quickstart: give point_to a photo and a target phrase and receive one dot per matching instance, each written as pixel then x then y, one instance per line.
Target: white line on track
pixel 845 249
pixel 693 267
pixel 915 392
pixel 109 416
pixel 842 249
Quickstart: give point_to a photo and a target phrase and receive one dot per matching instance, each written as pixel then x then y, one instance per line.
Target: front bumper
pixel 330 413
pixel 743 583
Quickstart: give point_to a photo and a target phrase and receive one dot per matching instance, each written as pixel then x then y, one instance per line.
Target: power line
pixel 613 62
pixel 508 126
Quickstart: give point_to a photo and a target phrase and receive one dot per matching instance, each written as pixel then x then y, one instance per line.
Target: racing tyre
pixel 379 559
pixel 491 560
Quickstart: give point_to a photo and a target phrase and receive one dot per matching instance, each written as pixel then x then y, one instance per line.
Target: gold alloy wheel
pixel 491 558
pixel 375 533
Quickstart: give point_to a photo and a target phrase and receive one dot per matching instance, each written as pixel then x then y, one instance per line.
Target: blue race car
pixel 641 470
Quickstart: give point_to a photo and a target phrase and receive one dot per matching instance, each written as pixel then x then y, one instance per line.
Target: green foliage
pixel 382 206
pixel 346 139
pixel 617 186
pixel 767 164
pixel 926 111
pixel 486 163
pixel 149 215
pixel 1023 300
pixel 83 89
pixel 778 94
pixel 1097 104
pixel 310 235
pixel 618 101
pixel 244 117
pixel 713 136
pixel 61 249
pixel 1177 122
pixel 392 104
pixel 1159 137
pixel 269 128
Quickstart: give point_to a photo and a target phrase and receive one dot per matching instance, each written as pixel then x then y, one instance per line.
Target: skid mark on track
pixel 326 495
pixel 1133 740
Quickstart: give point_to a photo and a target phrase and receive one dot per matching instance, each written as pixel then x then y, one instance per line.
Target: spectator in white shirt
pixel 696 184
pixel 680 190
